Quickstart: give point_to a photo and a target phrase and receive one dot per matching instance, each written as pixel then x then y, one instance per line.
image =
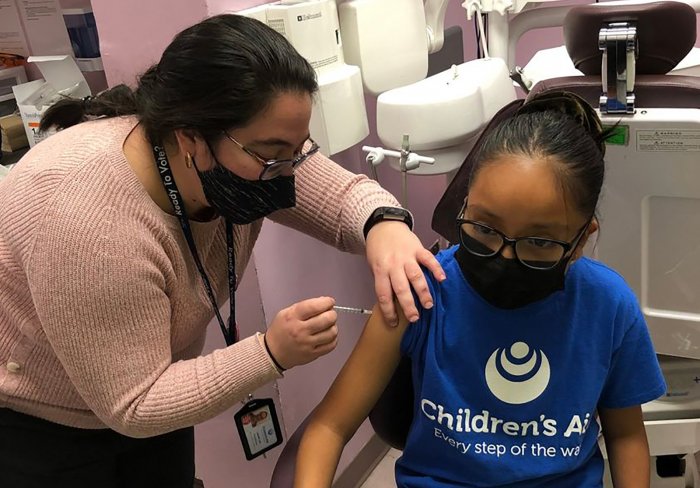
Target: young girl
pixel 528 343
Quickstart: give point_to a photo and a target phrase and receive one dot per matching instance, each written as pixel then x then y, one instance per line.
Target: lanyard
pixel 166 175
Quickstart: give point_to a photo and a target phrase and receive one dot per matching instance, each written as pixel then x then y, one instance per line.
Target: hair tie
pixel 86 101
pixel 571 105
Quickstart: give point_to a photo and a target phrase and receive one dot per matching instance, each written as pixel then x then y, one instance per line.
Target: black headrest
pixel 666 33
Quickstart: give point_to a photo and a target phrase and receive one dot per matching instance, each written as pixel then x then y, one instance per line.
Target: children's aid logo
pixel 517 375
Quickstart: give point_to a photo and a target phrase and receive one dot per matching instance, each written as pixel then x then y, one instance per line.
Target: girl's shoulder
pixel 597 286
pixel 592 274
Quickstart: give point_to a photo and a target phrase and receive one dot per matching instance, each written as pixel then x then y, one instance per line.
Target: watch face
pixel 395 212
pixel 388 213
pixel 392 213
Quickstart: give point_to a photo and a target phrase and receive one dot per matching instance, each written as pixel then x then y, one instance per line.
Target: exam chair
pixel 658 51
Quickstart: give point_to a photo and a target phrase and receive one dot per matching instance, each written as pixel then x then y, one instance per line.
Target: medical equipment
pixel 651 201
pixel 389 55
pixel 339 116
pixel 441 115
pixel 444 113
pixel 555 62
pixel 411 161
pixel 407 161
pixel 362 311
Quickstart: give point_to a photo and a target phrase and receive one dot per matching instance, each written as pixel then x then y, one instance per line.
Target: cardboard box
pixel 12 133
pixel 62 78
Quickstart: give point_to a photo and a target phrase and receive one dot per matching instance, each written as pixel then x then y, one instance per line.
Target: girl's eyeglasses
pixel 533 252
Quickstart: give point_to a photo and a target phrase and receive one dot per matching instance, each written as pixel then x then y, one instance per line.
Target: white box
pixel 62 77
pixel 10 77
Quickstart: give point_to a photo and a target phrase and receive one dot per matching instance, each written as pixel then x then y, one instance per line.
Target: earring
pixel 188 160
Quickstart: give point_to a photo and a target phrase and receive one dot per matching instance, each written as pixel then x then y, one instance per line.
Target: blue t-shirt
pixel 509 397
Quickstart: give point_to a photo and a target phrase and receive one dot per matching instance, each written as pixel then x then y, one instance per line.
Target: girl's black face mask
pixel 507 283
pixel 243 201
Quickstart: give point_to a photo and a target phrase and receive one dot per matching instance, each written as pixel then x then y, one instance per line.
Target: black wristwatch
pixel 388 213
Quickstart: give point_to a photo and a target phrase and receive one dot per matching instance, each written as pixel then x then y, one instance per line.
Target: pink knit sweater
pixel 102 310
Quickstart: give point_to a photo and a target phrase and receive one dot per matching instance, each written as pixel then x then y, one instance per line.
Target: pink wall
pixel 134 33
pixel 219 6
pixel 307 269
pixel 219 456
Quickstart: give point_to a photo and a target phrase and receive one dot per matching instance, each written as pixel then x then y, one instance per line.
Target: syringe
pixel 362 311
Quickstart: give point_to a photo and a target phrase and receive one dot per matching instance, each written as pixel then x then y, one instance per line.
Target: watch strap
pixel 383 214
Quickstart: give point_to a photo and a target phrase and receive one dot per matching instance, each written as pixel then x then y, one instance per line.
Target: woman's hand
pixel 303 332
pixel 395 255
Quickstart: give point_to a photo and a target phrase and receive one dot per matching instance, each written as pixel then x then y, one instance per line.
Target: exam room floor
pixel 383 474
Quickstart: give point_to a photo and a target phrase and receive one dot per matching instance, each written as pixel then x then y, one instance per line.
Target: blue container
pixel 82 31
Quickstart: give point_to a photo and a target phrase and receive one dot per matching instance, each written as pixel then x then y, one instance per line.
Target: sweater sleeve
pixel 334 204
pixel 99 283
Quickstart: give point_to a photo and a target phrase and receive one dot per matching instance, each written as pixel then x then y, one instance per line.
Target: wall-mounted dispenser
pixel 339 118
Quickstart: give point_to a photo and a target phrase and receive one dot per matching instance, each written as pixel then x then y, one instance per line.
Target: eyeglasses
pixel 272 168
pixel 534 252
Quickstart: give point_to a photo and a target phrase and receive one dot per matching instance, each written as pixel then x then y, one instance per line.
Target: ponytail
pixel 65 113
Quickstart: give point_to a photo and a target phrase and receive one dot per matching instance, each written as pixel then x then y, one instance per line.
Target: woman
pixel 114 241
pixel 528 341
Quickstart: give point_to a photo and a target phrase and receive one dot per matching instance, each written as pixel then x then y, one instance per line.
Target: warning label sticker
pixel 668 140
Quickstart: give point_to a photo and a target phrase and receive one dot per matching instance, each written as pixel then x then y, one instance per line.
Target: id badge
pixel 258 427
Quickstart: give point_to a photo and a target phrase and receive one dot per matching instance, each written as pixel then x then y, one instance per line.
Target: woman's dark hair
pixel 214 76
pixel 563 128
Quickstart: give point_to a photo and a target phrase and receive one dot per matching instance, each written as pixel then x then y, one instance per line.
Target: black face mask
pixel 507 283
pixel 243 201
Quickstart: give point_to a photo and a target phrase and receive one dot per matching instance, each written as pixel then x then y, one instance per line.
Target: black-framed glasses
pixel 534 252
pixel 272 168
